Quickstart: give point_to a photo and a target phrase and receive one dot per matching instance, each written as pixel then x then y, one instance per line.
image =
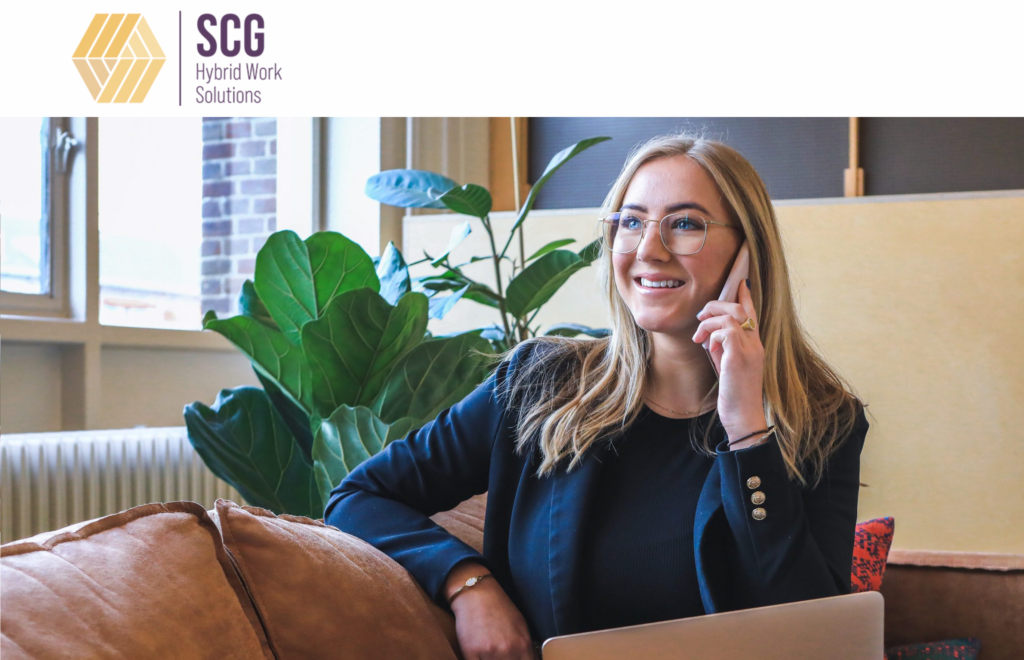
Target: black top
pixel 637 564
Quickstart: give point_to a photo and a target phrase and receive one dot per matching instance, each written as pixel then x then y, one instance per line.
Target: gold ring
pixel 748 324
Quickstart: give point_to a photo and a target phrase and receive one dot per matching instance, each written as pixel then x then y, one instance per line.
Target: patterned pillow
pixel 870 551
pixel 961 649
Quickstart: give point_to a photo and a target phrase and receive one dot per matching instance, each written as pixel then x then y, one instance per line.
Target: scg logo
pixel 228 48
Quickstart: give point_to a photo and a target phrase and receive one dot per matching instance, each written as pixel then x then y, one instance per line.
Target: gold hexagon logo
pixel 119 58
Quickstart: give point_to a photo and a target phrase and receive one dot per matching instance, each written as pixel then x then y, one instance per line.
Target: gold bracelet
pixel 471 582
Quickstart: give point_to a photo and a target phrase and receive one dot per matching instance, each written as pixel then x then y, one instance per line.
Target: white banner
pixel 525 58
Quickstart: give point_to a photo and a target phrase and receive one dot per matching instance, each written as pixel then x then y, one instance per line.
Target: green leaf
pixel 559 159
pixel 338 265
pixel 353 348
pixel 284 282
pixel 346 439
pixel 553 245
pixel 573 329
pixel 295 418
pixel 535 285
pixel 409 189
pixel 433 284
pixel 483 299
pixel 493 332
pixel 470 199
pixel 459 234
pixel 250 305
pixel 451 280
pixel 244 441
pixel 591 252
pixel 473 260
pixel 393 274
pixel 296 280
pixel 271 353
pixel 441 305
pixel 433 376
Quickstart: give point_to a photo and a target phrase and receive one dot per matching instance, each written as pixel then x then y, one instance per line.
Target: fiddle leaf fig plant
pixel 339 342
pixel 533 281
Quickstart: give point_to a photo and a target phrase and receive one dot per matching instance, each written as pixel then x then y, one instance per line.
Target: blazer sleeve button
pixel 759 514
pixel 753 482
pixel 757 498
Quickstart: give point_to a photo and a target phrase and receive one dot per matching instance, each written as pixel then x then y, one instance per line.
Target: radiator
pixel 51 480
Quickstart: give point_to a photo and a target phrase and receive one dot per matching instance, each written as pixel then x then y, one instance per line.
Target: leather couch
pixel 176 580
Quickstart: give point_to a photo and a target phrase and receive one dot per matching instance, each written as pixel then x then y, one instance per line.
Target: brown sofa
pixel 175 580
pixel 931 596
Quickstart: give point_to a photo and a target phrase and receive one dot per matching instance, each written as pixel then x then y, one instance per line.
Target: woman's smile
pixel 657 284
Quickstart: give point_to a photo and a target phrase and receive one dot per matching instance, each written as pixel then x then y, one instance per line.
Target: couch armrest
pixel 935 595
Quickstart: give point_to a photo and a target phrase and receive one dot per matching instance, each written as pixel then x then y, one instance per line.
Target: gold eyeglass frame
pixel 661 227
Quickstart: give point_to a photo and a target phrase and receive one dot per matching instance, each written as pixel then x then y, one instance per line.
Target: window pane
pixel 24 204
pixel 148 215
pixel 185 204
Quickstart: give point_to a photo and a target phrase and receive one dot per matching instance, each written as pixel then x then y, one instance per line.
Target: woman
pixel 626 481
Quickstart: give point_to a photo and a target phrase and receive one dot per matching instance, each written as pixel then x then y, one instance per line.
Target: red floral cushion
pixel 961 649
pixel 870 551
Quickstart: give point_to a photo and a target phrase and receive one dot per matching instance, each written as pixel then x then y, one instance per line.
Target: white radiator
pixel 51 480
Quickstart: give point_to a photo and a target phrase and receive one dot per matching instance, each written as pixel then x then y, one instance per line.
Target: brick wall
pixel 239 204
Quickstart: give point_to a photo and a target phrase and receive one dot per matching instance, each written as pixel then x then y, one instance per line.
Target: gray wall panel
pixel 904 155
pixel 797 157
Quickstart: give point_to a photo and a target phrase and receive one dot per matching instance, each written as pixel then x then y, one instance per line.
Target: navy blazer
pixel 801 550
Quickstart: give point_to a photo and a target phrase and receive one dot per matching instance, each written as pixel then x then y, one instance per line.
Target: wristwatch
pixel 471 582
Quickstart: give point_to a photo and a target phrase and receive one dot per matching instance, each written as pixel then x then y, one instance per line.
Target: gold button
pixel 757 498
pixel 759 514
pixel 753 482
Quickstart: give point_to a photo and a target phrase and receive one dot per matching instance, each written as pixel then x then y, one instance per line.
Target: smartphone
pixel 731 292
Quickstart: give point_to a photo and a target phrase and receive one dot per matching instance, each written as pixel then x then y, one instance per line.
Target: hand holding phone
pixel 731 291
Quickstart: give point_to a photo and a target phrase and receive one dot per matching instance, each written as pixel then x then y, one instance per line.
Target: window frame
pixel 70 313
pixel 55 302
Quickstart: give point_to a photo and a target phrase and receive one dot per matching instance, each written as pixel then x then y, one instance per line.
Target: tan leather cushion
pixel 324 593
pixel 466 521
pixel 149 582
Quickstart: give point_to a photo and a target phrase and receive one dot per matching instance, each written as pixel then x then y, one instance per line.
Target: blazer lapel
pixel 708 507
pixel 571 496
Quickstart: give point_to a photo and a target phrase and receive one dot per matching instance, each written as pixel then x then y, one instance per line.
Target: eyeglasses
pixel 682 233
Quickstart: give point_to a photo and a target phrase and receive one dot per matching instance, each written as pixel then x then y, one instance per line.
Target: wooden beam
pixel 853 176
pixel 501 176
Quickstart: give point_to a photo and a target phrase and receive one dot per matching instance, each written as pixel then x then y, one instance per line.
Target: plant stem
pixel 497 278
pixel 515 186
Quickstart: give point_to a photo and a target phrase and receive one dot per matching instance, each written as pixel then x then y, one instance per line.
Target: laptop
pixel 845 627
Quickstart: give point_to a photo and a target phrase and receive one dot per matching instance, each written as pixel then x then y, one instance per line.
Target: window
pixel 185 205
pixel 36 154
pixel 23 202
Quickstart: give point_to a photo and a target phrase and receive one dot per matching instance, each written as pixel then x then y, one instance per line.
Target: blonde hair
pixel 586 390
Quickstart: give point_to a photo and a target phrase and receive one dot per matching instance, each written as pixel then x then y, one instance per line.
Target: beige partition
pixel 918 301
